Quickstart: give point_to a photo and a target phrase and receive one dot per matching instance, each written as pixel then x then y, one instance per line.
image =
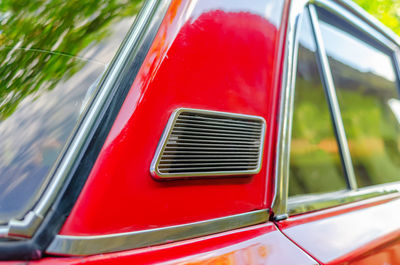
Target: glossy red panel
pixel 357 234
pixel 216 55
pixel 262 244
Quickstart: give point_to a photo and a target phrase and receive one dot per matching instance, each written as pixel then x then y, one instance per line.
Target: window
pixel 315 163
pixel 34 130
pixel 52 56
pixel 366 87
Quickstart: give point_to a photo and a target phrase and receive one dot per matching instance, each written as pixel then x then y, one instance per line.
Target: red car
pixel 198 132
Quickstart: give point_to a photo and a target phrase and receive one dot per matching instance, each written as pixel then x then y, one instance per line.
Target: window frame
pixel 350 13
pixel 21 236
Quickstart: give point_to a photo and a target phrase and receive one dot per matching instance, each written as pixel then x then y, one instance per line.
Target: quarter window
pixel 52 56
pixel 315 164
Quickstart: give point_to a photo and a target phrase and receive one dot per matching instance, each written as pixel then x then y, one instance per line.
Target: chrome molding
pixel 129 48
pixel 396 62
pixel 312 202
pixel 89 245
pixel 154 167
pixel 345 11
pixel 279 204
pixel 358 17
pixel 332 100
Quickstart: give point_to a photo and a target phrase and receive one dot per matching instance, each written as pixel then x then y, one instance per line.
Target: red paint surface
pixel 203 57
pixel 367 232
pixel 262 244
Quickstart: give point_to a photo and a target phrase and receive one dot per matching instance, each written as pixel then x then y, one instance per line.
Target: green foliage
pixel 40 39
pixel 387 11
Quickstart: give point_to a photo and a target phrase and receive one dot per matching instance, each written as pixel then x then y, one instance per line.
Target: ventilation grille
pixel 204 143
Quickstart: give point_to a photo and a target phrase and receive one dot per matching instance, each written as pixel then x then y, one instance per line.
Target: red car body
pixel 234 57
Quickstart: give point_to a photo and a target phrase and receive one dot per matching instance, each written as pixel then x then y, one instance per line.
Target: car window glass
pixel 366 86
pixel 52 56
pixel 315 164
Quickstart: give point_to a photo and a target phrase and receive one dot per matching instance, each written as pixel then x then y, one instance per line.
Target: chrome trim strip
pixel 394 104
pixel 396 63
pixel 312 202
pixel 344 10
pixel 27 227
pixel 89 245
pixel 332 100
pixel 340 7
pixel 279 206
pixel 168 130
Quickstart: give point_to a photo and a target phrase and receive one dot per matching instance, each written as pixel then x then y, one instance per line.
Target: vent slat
pixel 220 119
pixel 173 165
pixel 230 131
pixel 206 160
pixel 179 143
pixel 211 152
pixel 207 168
pixel 200 148
pixel 245 125
pixel 196 137
pixel 202 143
pixel 195 141
pixel 179 124
pixel 244 136
pixel 194 156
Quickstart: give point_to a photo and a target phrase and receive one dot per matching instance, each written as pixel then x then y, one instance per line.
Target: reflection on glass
pixel 365 83
pixel 52 54
pixel 394 105
pixel 264 8
pixel 315 164
pixel 33 136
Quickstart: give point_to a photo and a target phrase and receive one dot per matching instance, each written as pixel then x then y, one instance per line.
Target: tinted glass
pixel 52 55
pixel 315 164
pixel 366 87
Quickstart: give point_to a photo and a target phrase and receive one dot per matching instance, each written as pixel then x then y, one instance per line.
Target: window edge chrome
pixel 361 14
pixel 90 245
pixel 396 63
pixel 313 202
pixel 28 225
pixel 168 130
pixel 279 203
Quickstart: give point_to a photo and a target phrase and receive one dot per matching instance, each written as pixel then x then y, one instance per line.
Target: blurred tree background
pixel 40 40
pixel 387 11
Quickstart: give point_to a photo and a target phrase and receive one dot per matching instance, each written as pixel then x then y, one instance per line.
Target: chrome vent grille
pixel 204 143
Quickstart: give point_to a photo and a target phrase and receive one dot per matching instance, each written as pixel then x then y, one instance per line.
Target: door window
pixel 366 87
